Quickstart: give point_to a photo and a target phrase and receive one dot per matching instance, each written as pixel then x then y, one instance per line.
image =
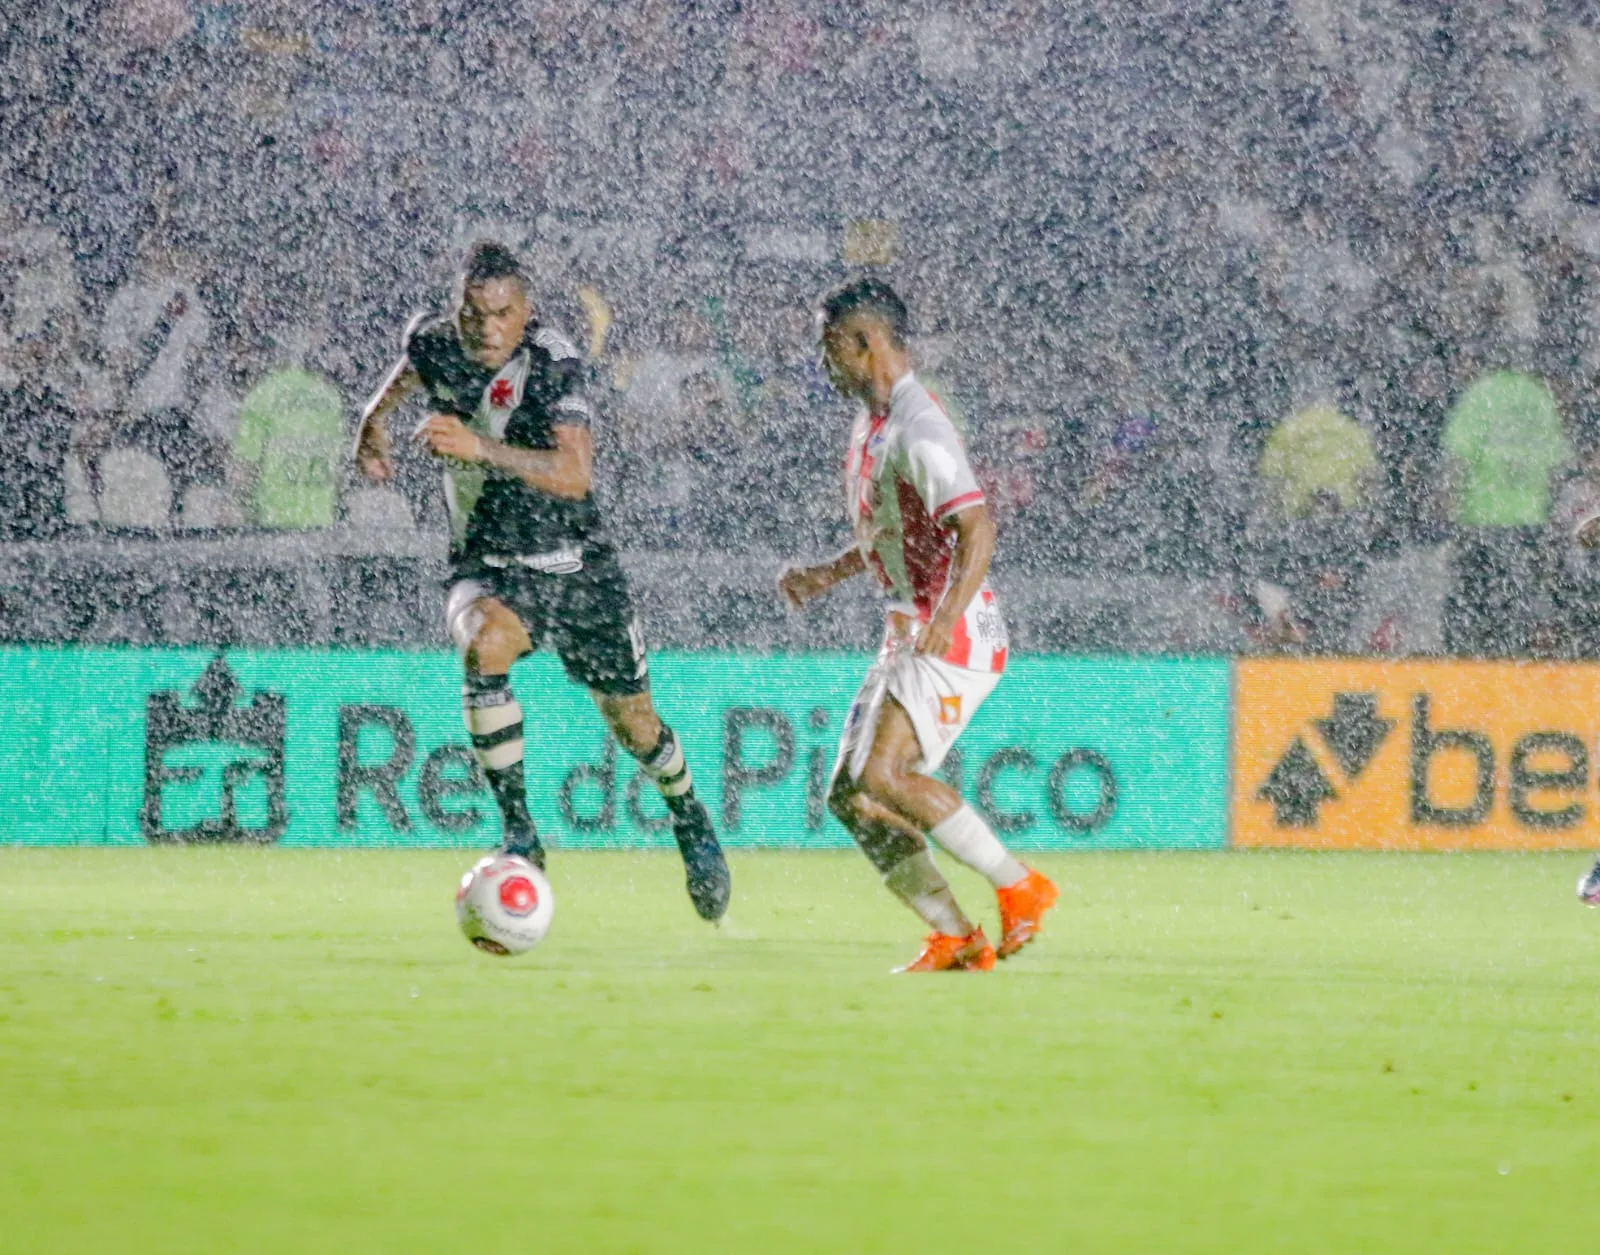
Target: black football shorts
pixel 576 599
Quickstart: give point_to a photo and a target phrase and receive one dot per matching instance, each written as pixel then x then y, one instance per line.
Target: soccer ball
pixel 504 904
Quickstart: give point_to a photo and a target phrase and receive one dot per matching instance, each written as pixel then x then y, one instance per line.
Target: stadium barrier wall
pixel 366 748
pixel 1414 755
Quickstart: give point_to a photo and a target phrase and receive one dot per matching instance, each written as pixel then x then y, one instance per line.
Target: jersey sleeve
pixel 938 468
pixel 421 346
pixel 570 405
pixel 413 328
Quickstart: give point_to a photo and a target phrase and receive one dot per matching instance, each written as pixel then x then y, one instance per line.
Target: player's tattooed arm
pixel 374 454
pixel 968 566
pixel 564 471
pixel 800 584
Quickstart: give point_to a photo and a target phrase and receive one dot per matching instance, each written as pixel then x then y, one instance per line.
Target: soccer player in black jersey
pixel 509 419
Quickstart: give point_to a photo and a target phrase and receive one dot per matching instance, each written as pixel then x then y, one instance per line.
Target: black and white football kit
pixel 547 558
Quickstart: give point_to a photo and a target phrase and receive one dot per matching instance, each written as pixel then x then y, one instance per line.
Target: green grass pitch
pixel 277 1051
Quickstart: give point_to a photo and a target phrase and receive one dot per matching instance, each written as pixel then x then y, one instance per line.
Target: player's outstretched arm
pixel 968 567
pixel 374 455
pixel 564 471
pixel 800 584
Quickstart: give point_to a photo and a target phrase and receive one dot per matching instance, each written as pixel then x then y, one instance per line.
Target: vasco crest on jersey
pixel 503 394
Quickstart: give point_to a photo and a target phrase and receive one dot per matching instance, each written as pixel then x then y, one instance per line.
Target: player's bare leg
pixel 901 855
pixel 494 638
pixel 896 846
pixel 890 779
pixel 639 730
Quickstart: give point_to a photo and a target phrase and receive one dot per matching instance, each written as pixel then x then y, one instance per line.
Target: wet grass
pixel 269 1051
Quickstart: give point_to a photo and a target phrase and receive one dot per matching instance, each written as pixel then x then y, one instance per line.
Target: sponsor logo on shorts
pixel 950 710
pixel 556 562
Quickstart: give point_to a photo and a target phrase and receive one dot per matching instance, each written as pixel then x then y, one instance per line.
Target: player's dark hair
pixel 489 259
pixel 872 297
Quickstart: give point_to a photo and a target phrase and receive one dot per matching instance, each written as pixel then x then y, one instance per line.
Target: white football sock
pixel 918 883
pixel 969 839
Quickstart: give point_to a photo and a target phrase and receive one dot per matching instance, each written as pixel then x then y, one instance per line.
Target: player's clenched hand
pixel 448 437
pixel 934 639
pixel 372 456
pixel 799 584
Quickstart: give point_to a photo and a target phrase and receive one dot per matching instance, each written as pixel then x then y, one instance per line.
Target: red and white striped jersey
pixel 906 477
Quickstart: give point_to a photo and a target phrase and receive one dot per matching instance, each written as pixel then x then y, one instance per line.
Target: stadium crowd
pixel 1277 302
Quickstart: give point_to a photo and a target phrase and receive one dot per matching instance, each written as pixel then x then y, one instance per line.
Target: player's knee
pixel 494 646
pixel 843 800
pixel 638 732
pixel 883 779
pixel 634 723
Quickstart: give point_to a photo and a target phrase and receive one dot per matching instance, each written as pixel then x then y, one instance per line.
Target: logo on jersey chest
pixel 504 394
pixel 988 623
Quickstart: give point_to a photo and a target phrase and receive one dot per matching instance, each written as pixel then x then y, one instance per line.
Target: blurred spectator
pixel 652 383
pixel 138 25
pixel 1136 506
pixel 1317 452
pixel 1376 216
pixel 1312 530
pixel 1122 507
pixel 288 449
pixel 1504 443
pixel 802 425
pixel 1006 467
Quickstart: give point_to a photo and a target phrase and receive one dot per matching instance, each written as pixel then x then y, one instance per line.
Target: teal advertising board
pixel 305 747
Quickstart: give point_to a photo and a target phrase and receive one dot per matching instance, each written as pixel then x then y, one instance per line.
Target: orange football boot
pixel 1022 908
pixel 946 953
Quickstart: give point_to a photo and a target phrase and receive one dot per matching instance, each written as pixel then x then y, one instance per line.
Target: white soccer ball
pixel 504 904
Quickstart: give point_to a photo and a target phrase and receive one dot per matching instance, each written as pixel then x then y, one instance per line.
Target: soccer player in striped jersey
pixel 510 423
pixel 923 530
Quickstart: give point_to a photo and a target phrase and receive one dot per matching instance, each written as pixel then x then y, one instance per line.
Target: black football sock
pixel 494 720
pixel 706 870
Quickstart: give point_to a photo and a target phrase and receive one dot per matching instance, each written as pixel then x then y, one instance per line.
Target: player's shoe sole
pixel 943 952
pixel 1022 911
pixel 706 874
pixel 1589 887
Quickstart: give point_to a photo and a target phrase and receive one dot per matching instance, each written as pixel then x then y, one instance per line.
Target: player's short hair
pixel 872 297
pixel 489 259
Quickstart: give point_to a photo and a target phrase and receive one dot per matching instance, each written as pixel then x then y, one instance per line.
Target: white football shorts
pixel 940 698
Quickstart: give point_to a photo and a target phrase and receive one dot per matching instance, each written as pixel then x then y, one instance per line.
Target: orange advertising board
pixel 1413 755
